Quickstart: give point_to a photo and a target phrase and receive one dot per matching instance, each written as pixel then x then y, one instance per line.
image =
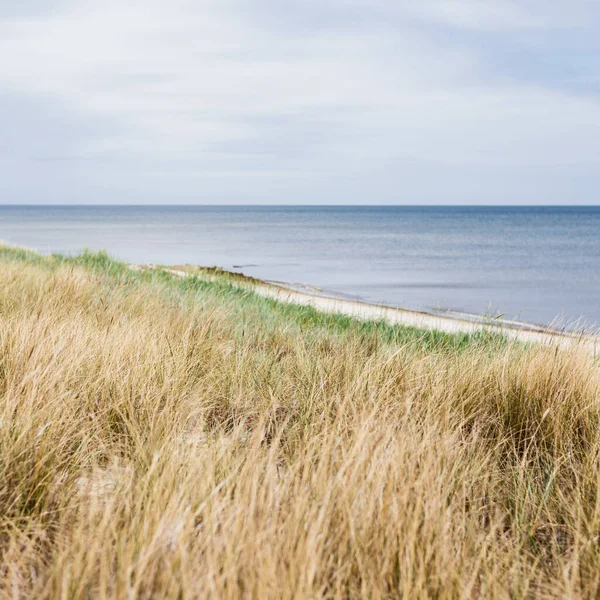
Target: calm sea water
pixel 534 264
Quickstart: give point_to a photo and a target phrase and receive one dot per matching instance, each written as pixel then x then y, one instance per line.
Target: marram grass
pixel 166 438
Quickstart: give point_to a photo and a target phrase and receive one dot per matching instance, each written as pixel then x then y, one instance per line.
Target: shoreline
pixel 454 322
pixel 282 292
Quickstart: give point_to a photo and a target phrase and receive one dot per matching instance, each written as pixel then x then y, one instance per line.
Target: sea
pixel 534 264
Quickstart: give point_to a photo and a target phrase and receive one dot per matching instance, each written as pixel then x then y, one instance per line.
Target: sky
pixel 299 102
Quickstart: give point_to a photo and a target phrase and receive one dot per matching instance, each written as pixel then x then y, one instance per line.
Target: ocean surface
pixel 530 263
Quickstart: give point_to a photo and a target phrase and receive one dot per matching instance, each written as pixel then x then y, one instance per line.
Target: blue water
pixel 534 264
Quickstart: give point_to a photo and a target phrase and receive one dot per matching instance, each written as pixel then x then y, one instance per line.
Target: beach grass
pixel 165 437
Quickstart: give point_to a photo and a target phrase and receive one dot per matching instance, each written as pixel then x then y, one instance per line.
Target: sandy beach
pixel 520 331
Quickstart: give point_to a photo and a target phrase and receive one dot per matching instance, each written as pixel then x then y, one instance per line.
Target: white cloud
pixel 207 85
pixel 493 15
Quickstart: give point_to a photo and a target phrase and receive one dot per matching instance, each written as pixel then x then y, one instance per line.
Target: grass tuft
pixel 179 438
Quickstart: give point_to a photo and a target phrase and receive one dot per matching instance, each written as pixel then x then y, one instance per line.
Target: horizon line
pixel 156 205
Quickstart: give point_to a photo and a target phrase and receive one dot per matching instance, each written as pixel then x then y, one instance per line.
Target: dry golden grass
pixel 181 439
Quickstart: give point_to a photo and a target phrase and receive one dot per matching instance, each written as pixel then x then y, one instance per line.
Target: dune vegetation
pixel 185 438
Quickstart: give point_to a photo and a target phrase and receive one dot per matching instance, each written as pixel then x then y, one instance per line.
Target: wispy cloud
pixel 329 101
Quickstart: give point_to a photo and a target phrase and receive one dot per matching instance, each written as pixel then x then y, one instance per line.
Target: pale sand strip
pixel 524 332
pixel 410 318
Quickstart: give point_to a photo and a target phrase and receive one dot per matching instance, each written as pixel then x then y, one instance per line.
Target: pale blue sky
pixel 315 101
